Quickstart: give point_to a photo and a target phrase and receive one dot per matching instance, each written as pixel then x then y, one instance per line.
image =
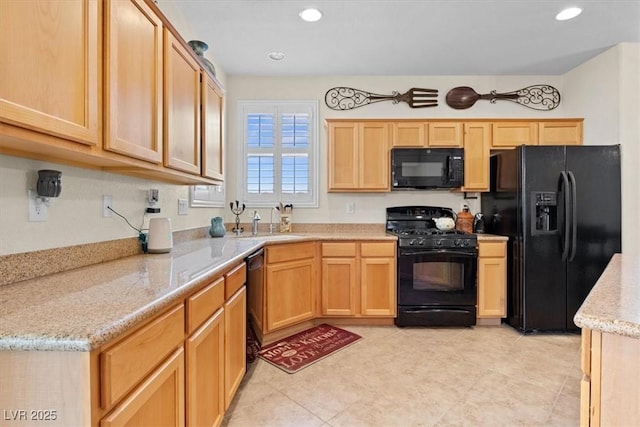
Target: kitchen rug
pixel 307 347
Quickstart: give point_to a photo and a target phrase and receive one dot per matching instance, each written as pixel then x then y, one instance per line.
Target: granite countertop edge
pixel 21 330
pixel 613 304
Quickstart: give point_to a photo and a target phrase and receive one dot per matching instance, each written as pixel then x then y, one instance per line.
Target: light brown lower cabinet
pixel 290 284
pixel 235 335
pixel 492 279
pixel 610 386
pixel 358 279
pixel 159 400
pixel 205 391
pixel 181 367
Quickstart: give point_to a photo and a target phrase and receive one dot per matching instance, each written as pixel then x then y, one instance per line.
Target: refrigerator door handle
pixel 574 216
pixel 567 208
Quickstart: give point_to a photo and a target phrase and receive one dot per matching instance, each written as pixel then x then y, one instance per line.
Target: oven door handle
pixel 472 253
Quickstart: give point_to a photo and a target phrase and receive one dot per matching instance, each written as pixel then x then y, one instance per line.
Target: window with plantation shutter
pixel 279 152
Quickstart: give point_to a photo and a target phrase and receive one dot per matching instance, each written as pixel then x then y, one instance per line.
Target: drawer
pixel 378 249
pixel 234 280
pixel 126 363
pixel 290 252
pixel 492 249
pixel 342 249
pixel 205 302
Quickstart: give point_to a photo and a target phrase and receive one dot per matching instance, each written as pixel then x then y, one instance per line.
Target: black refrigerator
pixel 560 208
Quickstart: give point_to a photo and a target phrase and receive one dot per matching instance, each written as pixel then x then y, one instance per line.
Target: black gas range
pixel 436 268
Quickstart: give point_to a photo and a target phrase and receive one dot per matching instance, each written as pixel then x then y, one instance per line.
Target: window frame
pixel 279 107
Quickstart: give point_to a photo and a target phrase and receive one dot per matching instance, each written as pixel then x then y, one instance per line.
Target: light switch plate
pixel 183 206
pixel 351 207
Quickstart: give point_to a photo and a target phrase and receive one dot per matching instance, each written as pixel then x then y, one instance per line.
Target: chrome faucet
pixel 254 223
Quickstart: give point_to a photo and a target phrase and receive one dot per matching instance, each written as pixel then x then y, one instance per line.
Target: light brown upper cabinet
pixel 477 141
pixel 182 132
pixel 49 63
pixel 212 147
pixel 133 80
pixel 510 134
pixel 358 156
pixel 409 134
pixel 418 134
pixel 445 134
pixel 560 133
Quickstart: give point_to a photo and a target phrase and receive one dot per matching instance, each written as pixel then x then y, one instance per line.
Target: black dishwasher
pixel 255 278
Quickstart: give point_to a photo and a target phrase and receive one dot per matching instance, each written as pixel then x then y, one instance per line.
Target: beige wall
pixel 76 216
pixel 606 92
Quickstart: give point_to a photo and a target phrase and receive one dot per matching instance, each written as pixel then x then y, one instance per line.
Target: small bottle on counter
pixel 464 221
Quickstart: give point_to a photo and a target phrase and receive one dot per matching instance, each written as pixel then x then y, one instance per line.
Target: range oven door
pixel 437 277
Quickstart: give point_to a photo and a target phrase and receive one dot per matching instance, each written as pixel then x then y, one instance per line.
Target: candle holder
pixel 237 211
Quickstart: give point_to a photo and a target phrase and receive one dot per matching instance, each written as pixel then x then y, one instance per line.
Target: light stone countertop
pixel 82 309
pixel 613 305
pixel 489 237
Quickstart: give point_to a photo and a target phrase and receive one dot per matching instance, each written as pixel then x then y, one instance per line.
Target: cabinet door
pixel 374 161
pixel 512 134
pixel 560 133
pixel 133 80
pixel 343 156
pixel 445 134
pixel 235 346
pixel 339 287
pixel 51 48
pixel 492 288
pixel 212 149
pixel 378 286
pixel 159 400
pixel 477 137
pixel 290 293
pixel 182 132
pixel 205 373
pixel 408 134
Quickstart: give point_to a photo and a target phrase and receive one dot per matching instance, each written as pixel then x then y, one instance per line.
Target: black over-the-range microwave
pixel 427 168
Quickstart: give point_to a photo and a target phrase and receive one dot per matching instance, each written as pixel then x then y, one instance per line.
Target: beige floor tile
pixel 481 376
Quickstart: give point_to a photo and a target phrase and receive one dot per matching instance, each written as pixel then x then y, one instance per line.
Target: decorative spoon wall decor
pixel 348 98
pixel 537 97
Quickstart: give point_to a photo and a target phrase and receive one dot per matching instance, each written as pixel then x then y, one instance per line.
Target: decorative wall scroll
pixel 537 97
pixel 347 98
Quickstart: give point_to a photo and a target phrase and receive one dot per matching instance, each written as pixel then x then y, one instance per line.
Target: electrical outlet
pixel 153 196
pixel 107 202
pixel 183 206
pixel 38 211
pixel 351 207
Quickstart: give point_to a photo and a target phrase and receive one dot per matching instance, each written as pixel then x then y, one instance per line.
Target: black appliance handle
pixel 449 168
pixel 567 209
pixel 470 252
pixel 434 310
pixel 574 216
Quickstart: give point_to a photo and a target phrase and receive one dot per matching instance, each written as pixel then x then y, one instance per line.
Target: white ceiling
pixel 408 37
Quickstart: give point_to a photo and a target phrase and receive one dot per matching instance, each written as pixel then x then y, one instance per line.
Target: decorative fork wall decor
pixel 348 98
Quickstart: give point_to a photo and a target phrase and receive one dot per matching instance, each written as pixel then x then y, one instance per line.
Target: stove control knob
pixel 412 242
pixel 465 243
pixel 457 242
pixel 439 242
pixel 421 242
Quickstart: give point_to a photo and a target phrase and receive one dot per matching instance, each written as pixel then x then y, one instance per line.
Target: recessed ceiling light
pixel 568 13
pixel 276 56
pixel 310 15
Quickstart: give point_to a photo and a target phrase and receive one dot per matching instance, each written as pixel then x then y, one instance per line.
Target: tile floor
pixel 482 376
